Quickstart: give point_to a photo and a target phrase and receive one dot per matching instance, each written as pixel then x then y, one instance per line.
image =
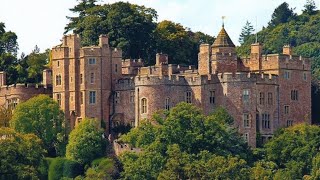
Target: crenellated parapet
pixel 125 84
pixel 248 77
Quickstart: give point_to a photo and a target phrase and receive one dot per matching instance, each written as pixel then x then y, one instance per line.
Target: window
pixel 132 124
pixel 245 95
pixel 167 104
pixel 246 137
pixel 117 97
pixel 246 120
pixel 266 121
pixel 92 78
pixel 261 98
pixel 143 105
pixel 81 79
pixel 58 96
pixel 92 97
pixel 305 76
pixel 270 99
pixel 58 80
pixel 92 60
pixel 71 79
pixel 289 123
pixel 294 95
pixel 58 63
pixel 286 109
pixel 131 96
pixel 286 75
pixel 81 97
pixel 212 96
pixel 188 96
pixel 116 68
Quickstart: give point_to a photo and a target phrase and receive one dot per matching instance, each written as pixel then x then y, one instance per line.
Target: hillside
pixel 299 31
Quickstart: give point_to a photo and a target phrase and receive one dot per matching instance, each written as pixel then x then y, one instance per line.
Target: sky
pixel 42 22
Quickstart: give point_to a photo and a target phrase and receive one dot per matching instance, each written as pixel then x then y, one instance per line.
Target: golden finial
pixel 223 17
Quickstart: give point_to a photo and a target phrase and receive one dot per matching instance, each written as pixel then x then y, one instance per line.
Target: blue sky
pixel 42 22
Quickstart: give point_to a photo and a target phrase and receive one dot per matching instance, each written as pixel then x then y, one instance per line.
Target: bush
pixel 61 168
pixel 102 168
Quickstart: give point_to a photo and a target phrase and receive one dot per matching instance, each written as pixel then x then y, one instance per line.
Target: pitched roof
pixel 223 39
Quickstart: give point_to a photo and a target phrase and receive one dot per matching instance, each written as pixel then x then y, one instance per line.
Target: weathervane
pixel 223 17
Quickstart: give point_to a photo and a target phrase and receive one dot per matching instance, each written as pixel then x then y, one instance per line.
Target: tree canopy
pixel 86 142
pixel 137 34
pixel 42 116
pixel 281 14
pixel 246 31
pixel 182 143
pixel 20 155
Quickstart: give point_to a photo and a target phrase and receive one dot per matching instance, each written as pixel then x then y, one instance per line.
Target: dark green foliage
pixel 134 29
pixel 103 168
pixel 246 31
pixel 64 168
pixel 121 129
pixel 281 14
pixel 310 7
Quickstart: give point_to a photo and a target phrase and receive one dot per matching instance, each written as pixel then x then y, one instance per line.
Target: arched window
pixel 143 105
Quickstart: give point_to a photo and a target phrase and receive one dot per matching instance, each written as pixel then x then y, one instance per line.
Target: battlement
pixel 123 147
pixel 247 77
pixel 23 91
pixel 132 63
pixel 125 84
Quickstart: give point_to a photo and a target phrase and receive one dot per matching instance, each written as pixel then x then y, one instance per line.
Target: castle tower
pixel 223 58
pixel 84 77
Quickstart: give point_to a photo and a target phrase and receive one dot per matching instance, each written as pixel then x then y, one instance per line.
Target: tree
pixel 86 142
pixel 20 155
pixel 281 14
pixel 42 116
pixel 184 144
pixel 5 116
pixel 246 32
pixel 310 7
pixel 292 149
pixel 36 62
pixel 102 168
pixel 128 26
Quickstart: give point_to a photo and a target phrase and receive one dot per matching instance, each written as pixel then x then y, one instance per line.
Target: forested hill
pixel 287 28
pixel 301 31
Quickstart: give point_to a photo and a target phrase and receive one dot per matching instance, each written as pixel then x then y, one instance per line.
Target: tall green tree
pixel 281 14
pixel 86 142
pixel 42 116
pixel 36 62
pixel 128 26
pixel 246 31
pixel 310 7
pixel 20 155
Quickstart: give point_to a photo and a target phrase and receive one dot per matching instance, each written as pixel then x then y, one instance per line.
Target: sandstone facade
pixel 262 92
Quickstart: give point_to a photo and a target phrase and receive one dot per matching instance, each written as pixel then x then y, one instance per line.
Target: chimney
pixel 3 78
pixel 256 48
pixel 287 50
pixel 161 59
pixel 103 40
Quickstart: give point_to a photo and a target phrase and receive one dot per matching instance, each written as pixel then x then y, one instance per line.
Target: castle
pixel 261 92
